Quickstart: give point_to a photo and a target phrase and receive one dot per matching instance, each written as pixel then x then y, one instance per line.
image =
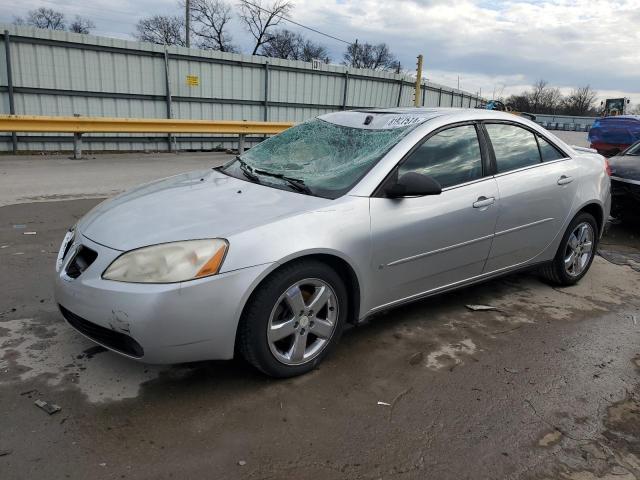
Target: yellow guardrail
pixel 79 125
pixel 33 123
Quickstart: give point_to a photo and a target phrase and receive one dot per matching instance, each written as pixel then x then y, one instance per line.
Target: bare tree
pixel 211 22
pixel 537 94
pixel 580 101
pixel 43 18
pixel 313 51
pixel 259 18
pixel 520 103
pixel 161 29
pixel 81 25
pixel 552 100
pixel 282 44
pixel 293 46
pixel 549 100
pixel 366 55
pixel 540 99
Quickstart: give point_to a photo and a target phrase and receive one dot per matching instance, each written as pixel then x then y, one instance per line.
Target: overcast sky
pixel 491 45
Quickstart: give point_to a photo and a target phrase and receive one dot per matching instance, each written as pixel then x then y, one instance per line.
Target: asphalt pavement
pixel 545 386
pixel 42 178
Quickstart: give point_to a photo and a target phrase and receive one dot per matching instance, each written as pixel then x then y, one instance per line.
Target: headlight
pixel 169 262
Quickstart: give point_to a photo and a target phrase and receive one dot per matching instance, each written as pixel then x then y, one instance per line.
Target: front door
pixel 421 244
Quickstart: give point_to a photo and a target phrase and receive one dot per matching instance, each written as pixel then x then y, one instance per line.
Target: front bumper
pixel 171 323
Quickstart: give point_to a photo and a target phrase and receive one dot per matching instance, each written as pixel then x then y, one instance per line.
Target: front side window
pixel 514 147
pixel 548 151
pixel 450 157
pixel 316 157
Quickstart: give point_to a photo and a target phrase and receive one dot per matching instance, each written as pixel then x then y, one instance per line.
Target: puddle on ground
pixel 60 356
pixel 605 285
pixel 454 333
pixel 613 453
pixel 631 259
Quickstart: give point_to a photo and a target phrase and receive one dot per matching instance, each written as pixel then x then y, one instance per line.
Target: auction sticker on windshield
pixel 403 121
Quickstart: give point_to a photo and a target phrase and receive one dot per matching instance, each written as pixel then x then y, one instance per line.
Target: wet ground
pixel 545 387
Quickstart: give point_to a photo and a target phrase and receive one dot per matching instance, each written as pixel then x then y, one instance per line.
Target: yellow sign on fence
pixel 193 80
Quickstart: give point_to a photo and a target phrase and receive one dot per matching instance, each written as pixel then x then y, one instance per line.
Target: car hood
pixel 193 205
pixel 625 166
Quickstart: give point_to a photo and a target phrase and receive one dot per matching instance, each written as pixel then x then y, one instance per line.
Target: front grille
pixel 81 260
pixel 109 338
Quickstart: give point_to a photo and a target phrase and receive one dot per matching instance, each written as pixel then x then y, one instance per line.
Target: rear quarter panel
pixel 595 184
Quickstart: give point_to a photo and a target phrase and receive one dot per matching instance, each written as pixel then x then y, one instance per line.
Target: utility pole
pixel 416 97
pixel 187 23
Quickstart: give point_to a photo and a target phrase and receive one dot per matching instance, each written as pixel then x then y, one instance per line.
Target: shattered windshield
pixel 316 157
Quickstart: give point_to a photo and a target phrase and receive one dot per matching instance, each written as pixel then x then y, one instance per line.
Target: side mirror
pixel 413 184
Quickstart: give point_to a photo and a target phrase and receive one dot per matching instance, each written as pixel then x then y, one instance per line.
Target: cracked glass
pixel 316 157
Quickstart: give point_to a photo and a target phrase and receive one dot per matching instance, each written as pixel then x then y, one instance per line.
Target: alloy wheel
pixel 302 321
pixel 579 249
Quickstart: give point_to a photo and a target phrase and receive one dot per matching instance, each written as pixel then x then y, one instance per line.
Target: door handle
pixel 564 180
pixel 484 202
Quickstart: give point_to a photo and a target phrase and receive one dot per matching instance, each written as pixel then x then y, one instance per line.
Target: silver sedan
pixel 331 221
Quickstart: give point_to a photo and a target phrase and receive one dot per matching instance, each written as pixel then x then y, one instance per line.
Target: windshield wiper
pixel 294 183
pixel 247 170
pixel 297 184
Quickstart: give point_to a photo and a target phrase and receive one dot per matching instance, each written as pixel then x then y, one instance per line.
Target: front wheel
pixel 294 319
pixel 575 253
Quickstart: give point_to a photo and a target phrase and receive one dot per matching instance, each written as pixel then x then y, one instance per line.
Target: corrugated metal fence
pixel 43 72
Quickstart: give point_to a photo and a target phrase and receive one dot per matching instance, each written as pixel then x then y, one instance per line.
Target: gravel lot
pixel 547 386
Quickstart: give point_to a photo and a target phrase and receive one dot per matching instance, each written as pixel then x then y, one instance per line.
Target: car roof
pixel 385 118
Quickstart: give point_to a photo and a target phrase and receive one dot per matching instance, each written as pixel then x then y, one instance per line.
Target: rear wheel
pixel 575 253
pixel 294 319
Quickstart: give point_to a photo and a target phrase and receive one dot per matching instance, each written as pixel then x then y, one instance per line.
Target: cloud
pixel 506 45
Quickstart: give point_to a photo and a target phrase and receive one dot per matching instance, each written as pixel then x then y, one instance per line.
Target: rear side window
pixel 548 151
pixel 451 157
pixel 513 146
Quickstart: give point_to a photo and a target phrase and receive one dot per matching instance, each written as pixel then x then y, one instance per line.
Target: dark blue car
pixel 611 135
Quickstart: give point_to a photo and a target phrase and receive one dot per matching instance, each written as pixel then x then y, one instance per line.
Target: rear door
pixel 537 184
pixel 423 243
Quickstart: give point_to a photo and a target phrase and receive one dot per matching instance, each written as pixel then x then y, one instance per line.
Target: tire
pixel 270 314
pixel 556 272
